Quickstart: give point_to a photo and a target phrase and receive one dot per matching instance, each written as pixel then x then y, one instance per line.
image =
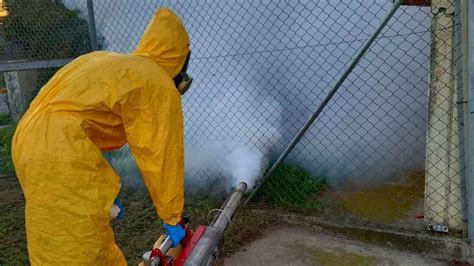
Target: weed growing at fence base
pixel 305 189
pixel 6 165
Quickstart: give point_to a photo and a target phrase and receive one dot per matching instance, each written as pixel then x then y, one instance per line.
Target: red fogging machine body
pixel 200 247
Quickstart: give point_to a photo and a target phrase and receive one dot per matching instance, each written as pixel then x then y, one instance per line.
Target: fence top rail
pixel 20 65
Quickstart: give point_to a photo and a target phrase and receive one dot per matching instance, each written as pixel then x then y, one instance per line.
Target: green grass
pixel 5 119
pixel 6 165
pixel 293 188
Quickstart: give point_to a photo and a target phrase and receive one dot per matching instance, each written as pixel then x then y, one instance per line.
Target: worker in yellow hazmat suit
pixel 99 102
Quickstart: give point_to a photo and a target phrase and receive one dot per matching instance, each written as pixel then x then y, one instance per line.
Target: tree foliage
pixel 46 29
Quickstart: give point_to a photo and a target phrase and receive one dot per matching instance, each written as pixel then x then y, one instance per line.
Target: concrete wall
pixel 443 156
pixel 21 87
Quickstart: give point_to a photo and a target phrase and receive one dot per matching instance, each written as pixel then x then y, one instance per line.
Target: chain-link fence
pixel 388 147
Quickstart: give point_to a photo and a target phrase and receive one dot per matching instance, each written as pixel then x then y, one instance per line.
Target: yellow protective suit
pixel 100 101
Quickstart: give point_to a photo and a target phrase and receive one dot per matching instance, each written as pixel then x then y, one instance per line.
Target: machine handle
pixel 154 257
pixel 165 247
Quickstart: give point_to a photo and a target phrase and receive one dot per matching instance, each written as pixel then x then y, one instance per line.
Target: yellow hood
pixel 165 41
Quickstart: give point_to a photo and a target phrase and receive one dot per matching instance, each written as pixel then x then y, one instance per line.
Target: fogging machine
pixel 200 247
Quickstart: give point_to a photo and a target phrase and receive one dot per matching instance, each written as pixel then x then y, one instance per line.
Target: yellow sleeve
pixel 153 123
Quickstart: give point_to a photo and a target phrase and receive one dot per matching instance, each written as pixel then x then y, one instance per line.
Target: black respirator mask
pixel 183 80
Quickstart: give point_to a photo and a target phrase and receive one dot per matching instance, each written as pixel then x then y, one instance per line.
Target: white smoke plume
pixel 228 155
pixel 260 72
pixel 224 165
pixel 244 165
pixel 217 167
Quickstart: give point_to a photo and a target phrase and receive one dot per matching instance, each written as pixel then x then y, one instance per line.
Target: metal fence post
pixel 463 114
pixel 92 30
pixel 470 88
pixel 333 91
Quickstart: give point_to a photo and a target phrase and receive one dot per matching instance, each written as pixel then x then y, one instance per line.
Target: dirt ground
pixel 255 238
pixel 135 233
pixel 290 245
